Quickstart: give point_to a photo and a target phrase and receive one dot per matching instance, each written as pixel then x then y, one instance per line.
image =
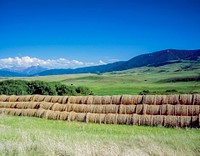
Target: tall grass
pixel 35 136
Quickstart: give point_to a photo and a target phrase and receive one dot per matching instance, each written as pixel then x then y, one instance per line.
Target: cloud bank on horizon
pixel 26 61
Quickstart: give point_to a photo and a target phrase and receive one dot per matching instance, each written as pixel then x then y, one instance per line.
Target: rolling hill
pixel 168 56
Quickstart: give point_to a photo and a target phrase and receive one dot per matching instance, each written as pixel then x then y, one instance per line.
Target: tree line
pixel 22 87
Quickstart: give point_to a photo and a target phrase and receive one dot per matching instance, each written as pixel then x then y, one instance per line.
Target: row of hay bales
pixel 167 109
pixel 129 119
pixel 184 99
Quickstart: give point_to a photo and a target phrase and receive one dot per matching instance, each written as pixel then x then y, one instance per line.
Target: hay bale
pixel 97 100
pixel 41 113
pixel 72 116
pixel 71 100
pixel 47 98
pixel 139 109
pixel 151 109
pixel 137 99
pixel 127 99
pixel 106 100
pixel 196 99
pixel 111 109
pixel 4 98
pixel 146 120
pixel 46 105
pixel 13 98
pixel 160 99
pixel 90 100
pixel 58 107
pixel 195 121
pixel 171 121
pixel 173 99
pixel 55 99
pixel 148 99
pixel 181 110
pixel 80 117
pixel 69 107
pixel 170 109
pixel 2 110
pixel 65 100
pixel 127 109
pixel 193 110
pixel 111 118
pixel 157 120
pixel 52 115
pixel 116 99
pixel 185 121
pixel 163 109
pixel 78 100
pixel 186 99
pixel 95 118
pixel 84 100
pixel 2 104
pixel 122 118
pixel 136 119
pixel 97 109
pixel 64 115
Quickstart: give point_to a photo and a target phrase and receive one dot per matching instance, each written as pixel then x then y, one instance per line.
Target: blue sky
pixel 94 30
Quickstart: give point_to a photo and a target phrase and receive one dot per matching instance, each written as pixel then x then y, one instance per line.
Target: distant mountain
pixel 16 71
pixel 159 58
pixel 4 73
pixel 33 70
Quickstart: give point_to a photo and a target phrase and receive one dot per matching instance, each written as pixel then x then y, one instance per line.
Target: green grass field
pixel 34 136
pixel 155 79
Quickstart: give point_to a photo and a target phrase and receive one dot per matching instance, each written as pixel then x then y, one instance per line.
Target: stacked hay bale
pixel 150 110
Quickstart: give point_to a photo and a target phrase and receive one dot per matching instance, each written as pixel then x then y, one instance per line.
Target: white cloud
pixel 26 61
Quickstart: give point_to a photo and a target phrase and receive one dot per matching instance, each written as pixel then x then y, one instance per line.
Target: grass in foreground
pixel 35 136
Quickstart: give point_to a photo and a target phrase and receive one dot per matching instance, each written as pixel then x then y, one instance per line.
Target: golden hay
pixel 171 121
pixel 139 109
pixel 136 119
pixel 181 110
pixel 137 99
pixel 97 100
pixel 151 109
pixel 127 109
pixel 170 109
pixel 148 99
pixel 116 99
pixel 65 100
pixel 90 100
pixel 59 107
pixel 78 99
pixel 46 105
pixel 71 100
pixel 71 116
pixel 40 113
pixel 55 99
pixel 52 115
pixel 4 98
pixel 160 99
pixel 195 121
pixel 127 99
pixel 95 118
pixel 80 117
pixel 173 99
pixel 97 109
pixel 2 110
pixel 106 100
pixel 13 98
pixel 157 120
pixel 111 118
pixel 47 98
pixel 64 115
pixel 125 119
pixel 196 99
pixel 146 120
pixel 193 110
pixel 186 99
pixel 184 121
pixel 7 105
pixel 111 109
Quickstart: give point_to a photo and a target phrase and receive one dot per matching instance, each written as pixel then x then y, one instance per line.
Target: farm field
pixel 35 136
pixel 168 79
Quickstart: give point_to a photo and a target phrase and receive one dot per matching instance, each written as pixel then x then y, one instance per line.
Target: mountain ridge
pixel 159 58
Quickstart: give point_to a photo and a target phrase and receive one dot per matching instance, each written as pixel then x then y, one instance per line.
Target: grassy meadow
pixel 35 136
pixel 169 79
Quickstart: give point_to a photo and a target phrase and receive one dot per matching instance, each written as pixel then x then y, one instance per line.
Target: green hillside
pixel 181 77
